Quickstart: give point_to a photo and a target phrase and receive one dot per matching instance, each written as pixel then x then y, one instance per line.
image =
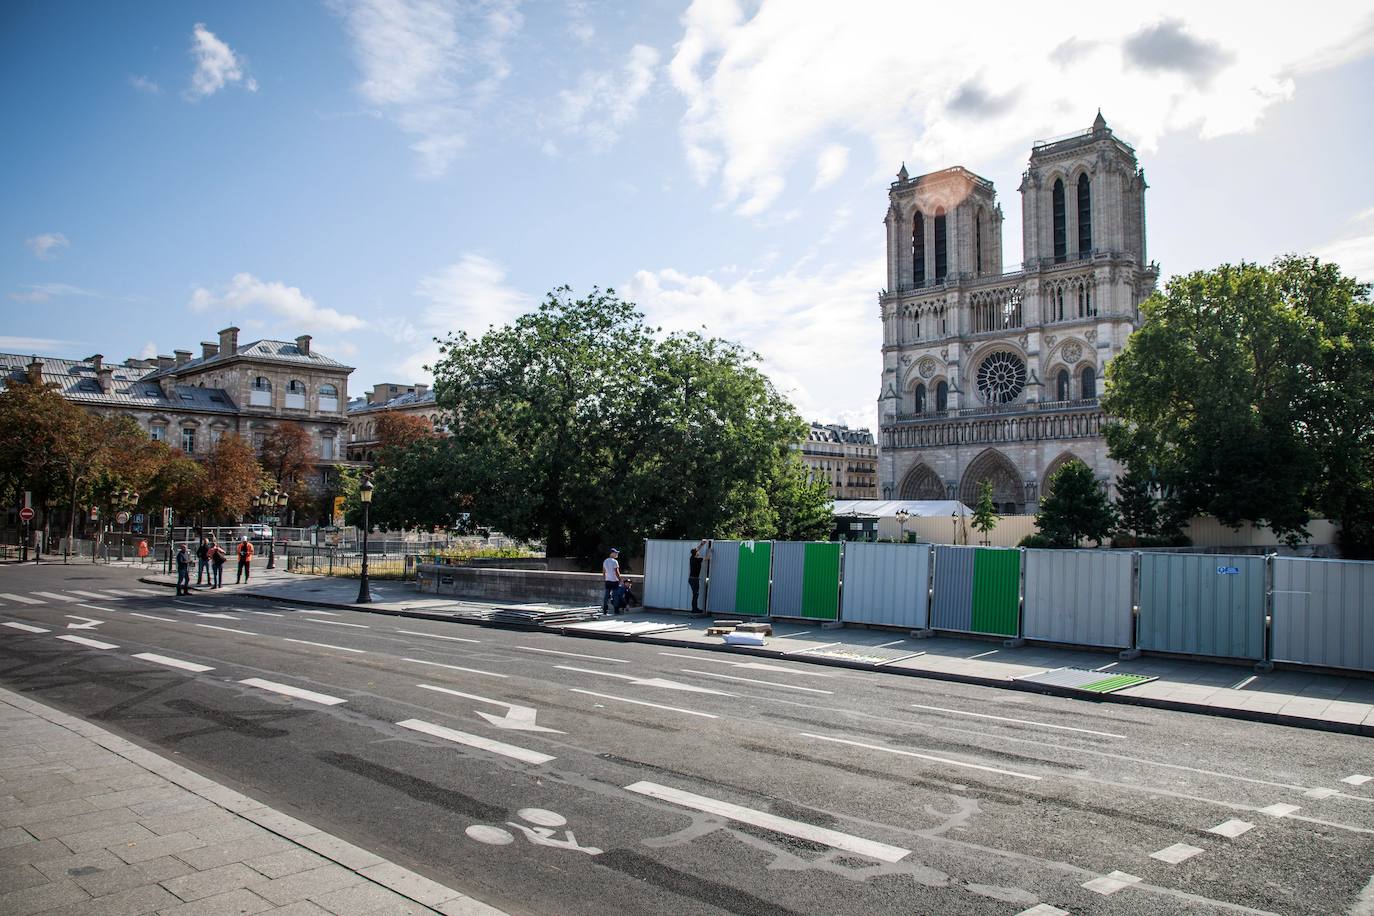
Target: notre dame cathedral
pixel 991 374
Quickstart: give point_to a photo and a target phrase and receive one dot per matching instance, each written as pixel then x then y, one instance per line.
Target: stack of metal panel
pixel 542 615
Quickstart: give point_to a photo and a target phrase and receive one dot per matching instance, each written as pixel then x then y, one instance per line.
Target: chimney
pixel 303 344
pixel 168 386
pixel 208 350
pixel 421 389
pixel 35 371
pixel 96 362
pixel 105 375
pixel 183 357
pixel 229 341
pixel 165 362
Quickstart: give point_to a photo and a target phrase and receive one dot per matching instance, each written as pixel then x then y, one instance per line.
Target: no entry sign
pixel 26 514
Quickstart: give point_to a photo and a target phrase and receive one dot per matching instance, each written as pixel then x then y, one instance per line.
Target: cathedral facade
pixel 995 375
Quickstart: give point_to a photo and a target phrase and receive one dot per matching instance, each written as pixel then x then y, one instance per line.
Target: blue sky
pixel 374 172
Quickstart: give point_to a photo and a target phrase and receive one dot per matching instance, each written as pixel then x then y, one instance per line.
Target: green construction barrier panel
pixel 751 583
pixel 821 582
pixel 996 591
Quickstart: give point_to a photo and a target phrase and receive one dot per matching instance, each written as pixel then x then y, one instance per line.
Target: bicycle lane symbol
pixel 543 833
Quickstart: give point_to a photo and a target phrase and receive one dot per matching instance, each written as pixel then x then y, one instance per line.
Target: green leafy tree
pixel 1136 505
pixel 1074 508
pixel 985 513
pixel 1245 395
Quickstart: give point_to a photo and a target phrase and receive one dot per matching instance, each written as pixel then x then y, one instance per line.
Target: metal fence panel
pixel 751 585
pixel 996 591
pixel 1202 604
pixel 1081 597
pixel 952 608
pixel 722 577
pixel 821 582
pixel 665 574
pixel 1324 613
pixel 789 573
pixel 887 584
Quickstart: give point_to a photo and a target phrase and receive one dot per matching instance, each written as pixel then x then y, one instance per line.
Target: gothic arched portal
pixel 1008 491
pixel 921 483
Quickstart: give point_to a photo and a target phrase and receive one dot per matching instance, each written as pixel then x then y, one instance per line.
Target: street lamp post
pixel 902 517
pixel 279 502
pixel 365 494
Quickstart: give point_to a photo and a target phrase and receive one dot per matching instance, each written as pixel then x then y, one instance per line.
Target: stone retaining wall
pixel 516 585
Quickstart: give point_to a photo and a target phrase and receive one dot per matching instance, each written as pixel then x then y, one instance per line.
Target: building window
pixel 1057 303
pixel 1085 216
pixel 327 447
pixel 942 397
pixel 941 248
pixel 295 394
pixel 978 241
pixel 1086 308
pixel 159 433
pixel 1089 386
pixel 1062 387
pixel 188 441
pixel 918 249
pixel 261 393
pixel 329 399
pixel 920 398
pixel 1061 245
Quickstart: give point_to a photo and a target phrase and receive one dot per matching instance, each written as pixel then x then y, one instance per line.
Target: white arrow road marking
pixel 832 838
pixel 323 645
pixel 172 662
pixel 750 680
pixel 983 715
pixel 21 599
pixel 647 682
pixel 25 627
pixel 482 744
pixel 88 625
pixel 608 696
pixel 93 643
pixel 421 661
pixel 517 718
pixel 288 690
pixel 437 636
pixel 945 760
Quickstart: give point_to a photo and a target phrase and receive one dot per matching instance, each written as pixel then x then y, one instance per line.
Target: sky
pixel 378 172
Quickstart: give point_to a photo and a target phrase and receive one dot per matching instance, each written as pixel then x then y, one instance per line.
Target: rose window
pixel 1001 377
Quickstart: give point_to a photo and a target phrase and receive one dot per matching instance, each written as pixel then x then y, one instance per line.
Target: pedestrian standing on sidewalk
pixel 245 558
pixel 203 553
pixel 700 554
pixel 610 569
pixel 183 571
pixel 217 558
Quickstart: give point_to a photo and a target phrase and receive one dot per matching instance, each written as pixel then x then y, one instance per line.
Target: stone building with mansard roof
pixel 994 374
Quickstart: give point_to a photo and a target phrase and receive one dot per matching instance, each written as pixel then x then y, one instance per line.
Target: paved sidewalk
pixel 1307 699
pixel 92 824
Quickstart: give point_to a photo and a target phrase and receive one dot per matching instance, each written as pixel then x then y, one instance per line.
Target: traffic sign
pixel 26 514
pixel 122 518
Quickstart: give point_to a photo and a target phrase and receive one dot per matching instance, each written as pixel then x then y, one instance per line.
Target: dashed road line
pixel 1110 884
pixel 92 596
pixel 53 596
pixel 421 661
pixel 524 755
pixel 1231 828
pixel 26 627
pixel 437 636
pixel 339 623
pixel 1179 852
pixel 92 643
pixel 152 617
pixel 322 645
pixel 984 715
pixel 934 759
pixel 211 626
pixel 297 692
pixel 267 613
pixel 96 607
pixel 323 613
pixel 1279 810
pixel 608 696
pixel 1043 909
pixel 599 658
pixel 750 680
pixel 833 838
pixel 753 666
pixel 172 662
pixel 1357 779
pixel 1321 792
pixel 191 603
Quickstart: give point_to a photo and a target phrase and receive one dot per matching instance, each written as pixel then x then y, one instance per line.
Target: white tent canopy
pixel 888 508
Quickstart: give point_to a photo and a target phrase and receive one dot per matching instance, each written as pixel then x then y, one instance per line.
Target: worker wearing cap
pixel 610 568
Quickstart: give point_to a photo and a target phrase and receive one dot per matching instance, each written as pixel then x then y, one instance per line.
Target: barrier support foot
pixel 1016 643
pixel 1129 654
pixel 831 625
pixel 922 634
pixel 1264 667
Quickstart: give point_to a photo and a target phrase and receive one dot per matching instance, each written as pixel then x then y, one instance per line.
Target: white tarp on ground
pixel 888 508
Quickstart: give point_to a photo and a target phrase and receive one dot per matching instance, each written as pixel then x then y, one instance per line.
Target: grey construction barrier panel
pixel 665 575
pixel 952 608
pixel 1079 596
pixel 1202 604
pixel 1323 613
pixel 785 598
pixel 886 584
pixel 722 578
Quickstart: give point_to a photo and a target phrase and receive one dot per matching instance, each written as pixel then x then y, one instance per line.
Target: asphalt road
pixel 552 775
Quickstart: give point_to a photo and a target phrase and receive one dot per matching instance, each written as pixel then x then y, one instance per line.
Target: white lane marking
pixel 267 613
pixel 984 715
pixel 608 696
pixel 1357 779
pixel 214 616
pixel 802 831
pixel 22 599
pixel 53 596
pixel 339 623
pixel 151 617
pixel 297 692
pixel 121 593
pixel 211 626
pixel 1043 909
pixel 895 642
pixel 1110 884
pixel 172 662
pixel 1279 810
pixel 517 718
pixel 753 666
pixel 1179 852
pixel 437 636
pixel 93 596
pixel 325 613
pixel 93 643
pixel 1240 685
pixel 96 607
pixel 90 622
pixel 750 680
pixel 798 633
pixel 647 681
pixel 1106 666
pixel 421 661
pixel 599 658
pixel 191 603
pixel 1320 793
pixel 524 755
pixel 945 760
pixel 322 645
pixel 149 591
pixel 25 627
pixel 984 654
pixel 1231 828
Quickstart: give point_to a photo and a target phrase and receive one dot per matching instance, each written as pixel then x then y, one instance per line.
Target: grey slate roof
pixel 77 381
pixel 276 350
pixel 409 399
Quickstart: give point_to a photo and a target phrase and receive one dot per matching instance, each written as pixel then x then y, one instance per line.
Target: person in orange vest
pixel 143 550
pixel 245 557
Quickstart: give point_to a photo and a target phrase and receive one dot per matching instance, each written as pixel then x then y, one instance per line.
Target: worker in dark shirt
pixel 700 554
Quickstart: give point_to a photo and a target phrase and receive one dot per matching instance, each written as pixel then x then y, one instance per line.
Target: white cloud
pixel 246 292
pixel 834 159
pixel 817 332
pixel 42 292
pixel 46 246
pixel 1354 252
pixel 149 350
pixel 579 23
pixel 763 95
pixel 604 102
pixel 144 84
pixel 432 65
pixel 217 65
pixel 43 345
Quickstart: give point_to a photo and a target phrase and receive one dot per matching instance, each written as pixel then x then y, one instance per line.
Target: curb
pixel 1221 712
